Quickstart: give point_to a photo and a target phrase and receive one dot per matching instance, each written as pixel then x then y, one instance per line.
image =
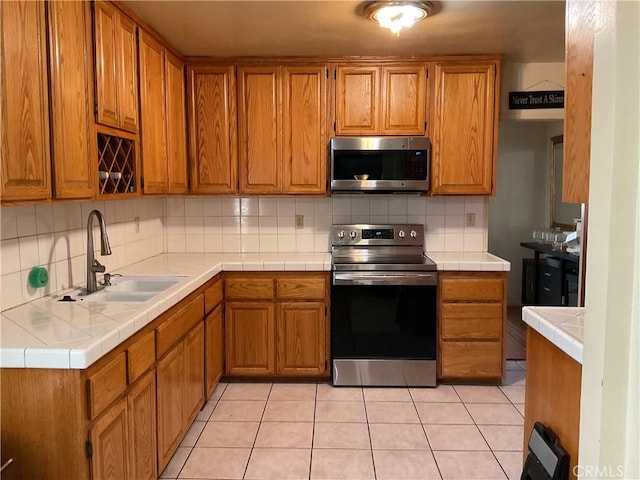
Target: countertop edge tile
pixel 549 322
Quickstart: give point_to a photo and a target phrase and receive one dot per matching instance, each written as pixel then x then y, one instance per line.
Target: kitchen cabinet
pixel 471 325
pixel 282 129
pixel 213 155
pixel 71 70
pixel 109 441
pixel 25 167
pixel 141 408
pixel 375 100
pixel 116 64
pixel 579 35
pixel 176 123
pixel 465 128
pixel 214 336
pixel 276 324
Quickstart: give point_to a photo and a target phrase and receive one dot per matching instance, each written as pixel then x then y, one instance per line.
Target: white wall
pixel 521 203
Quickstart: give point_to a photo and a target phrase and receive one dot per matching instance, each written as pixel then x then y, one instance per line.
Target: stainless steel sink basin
pixel 131 289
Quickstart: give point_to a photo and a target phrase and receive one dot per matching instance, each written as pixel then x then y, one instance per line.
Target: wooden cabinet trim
pixel 106 384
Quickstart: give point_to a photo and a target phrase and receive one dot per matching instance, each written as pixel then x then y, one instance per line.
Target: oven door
pixel 383 327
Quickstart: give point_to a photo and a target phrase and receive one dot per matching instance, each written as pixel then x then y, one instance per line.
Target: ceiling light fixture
pixel 397 15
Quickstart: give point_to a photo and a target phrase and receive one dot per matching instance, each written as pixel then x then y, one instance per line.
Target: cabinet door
pixel 152 115
pixel 106 19
pixel 127 64
pixel 301 338
pixel 213 154
pixel 250 338
pixel 305 156
pixel 170 396
pixel 24 114
pixel 74 158
pixel 141 410
pixel 464 130
pixel 109 439
pixel 357 100
pixel 404 91
pixel 260 127
pixel 194 372
pixel 214 349
pixel 176 126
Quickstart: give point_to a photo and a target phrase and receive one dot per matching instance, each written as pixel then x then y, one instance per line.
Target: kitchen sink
pixel 131 289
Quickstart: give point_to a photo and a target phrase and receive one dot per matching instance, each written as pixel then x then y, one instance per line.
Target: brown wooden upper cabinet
pixel 162 115
pixel 464 133
pixel 387 100
pixel 116 61
pixel 282 129
pixel 213 155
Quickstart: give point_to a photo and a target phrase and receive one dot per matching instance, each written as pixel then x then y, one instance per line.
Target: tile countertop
pixel 48 334
pixel 562 326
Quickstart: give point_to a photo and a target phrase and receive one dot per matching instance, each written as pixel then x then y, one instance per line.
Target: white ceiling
pixel 524 31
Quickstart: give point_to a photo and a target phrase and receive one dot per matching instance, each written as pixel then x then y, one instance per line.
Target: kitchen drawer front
pixel 247 288
pixel 172 330
pixel 471 289
pixel 213 296
pixel 107 384
pixel 141 356
pixel 471 360
pixel 301 288
pixel 471 321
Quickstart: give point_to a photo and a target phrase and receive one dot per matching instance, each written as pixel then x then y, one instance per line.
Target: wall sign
pixel 537 99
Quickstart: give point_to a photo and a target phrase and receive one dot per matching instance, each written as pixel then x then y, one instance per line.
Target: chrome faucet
pixel 93 265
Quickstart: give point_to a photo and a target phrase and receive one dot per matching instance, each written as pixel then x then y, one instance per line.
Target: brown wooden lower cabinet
pixel 301 339
pixel 214 341
pixel 141 408
pixel 193 373
pixel 109 440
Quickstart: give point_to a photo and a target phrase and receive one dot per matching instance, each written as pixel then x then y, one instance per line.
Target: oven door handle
pixel 414 278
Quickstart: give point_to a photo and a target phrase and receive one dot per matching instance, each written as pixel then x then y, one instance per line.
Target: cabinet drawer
pixel 141 356
pixel 471 320
pixel 106 385
pixel 245 288
pixel 471 289
pixel 179 324
pixel 471 359
pixel 213 296
pixel 307 288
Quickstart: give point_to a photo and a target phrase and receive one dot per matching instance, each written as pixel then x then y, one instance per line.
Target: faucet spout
pixel 93 266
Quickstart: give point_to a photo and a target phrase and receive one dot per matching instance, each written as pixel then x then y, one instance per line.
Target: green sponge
pixel 38 277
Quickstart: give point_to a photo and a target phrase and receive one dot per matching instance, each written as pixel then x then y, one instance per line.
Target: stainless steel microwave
pixel 380 164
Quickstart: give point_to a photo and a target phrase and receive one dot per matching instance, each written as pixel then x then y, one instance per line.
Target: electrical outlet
pixel 470 220
pixel 299 222
pixel 136 221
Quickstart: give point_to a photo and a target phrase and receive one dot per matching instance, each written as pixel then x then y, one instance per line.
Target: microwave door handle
pixel 385 279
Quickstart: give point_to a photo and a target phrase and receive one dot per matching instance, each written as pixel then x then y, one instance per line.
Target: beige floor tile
pixel 238 411
pixel 468 466
pixel 289 411
pixel 504 437
pixel 494 414
pixel 192 435
pixel 455 437
pixel 332 411
pixel 391 394
pixel 218 391
pixel 285 435
pixel 176 463
pixel 480 394
pixel 520 407
pixel 514 365
pixel 293 391
pixel 391 412
pixel 341 435
pixel 207 410
pixel 228 434
pixel 515 377
pixel 511 462
pixel 442 393
pixel 279 464
pixel 514 393
pixel 216 463
pixel 388 436
pixel 246 391
pixel 405 465
pixel 343 394
pixel 328 464
pixel 443 413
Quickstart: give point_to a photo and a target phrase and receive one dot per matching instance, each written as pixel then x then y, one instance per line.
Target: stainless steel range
pixel 383 306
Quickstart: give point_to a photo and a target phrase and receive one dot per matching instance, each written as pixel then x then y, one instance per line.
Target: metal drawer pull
pixel 546 289
pixel 547 274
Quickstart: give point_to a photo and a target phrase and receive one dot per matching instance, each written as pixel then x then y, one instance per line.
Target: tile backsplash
pixel 54 236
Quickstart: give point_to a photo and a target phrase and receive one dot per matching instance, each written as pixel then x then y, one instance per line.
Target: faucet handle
pixel 97 267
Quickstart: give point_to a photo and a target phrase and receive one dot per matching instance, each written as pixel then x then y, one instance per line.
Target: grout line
pixel 255 438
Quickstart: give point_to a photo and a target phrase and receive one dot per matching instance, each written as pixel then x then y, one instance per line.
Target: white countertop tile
pixel 469 261
pixel 562 326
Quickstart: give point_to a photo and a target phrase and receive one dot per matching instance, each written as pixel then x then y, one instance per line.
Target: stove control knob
pixel 413 234
pixel 401 234
pixel 353 234
pixel 341 234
